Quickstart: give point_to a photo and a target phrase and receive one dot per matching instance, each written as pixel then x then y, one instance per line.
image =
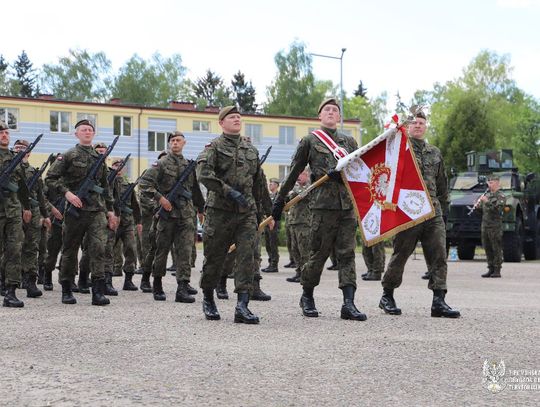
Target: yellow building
pixel 144 129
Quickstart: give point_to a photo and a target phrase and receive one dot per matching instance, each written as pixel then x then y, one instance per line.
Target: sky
pixel 392 46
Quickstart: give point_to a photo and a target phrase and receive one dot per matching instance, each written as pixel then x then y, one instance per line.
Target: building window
pixel 60 122
pixel 254 132
pixel 10 116
pixel 201 126
pixel 92 118
pixel 156 140
pixel 122 126
pixel 286 135
pixel 284 171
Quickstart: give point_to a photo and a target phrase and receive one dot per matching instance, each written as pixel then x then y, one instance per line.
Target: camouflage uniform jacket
pixel 10 206
pixel 147 203
pixel 431 165
pixel 330 195
pixel 492 209
pixel 37 196
pixel 120 185
pixel 226 163
pixel 299 214
pixel 264 204
pixel 159 179
pixel 69 171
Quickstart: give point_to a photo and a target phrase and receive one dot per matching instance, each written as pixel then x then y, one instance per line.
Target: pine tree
pixel 244 93
pixel 25 75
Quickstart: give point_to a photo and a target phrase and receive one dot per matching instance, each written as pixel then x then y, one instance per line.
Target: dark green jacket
pixel 14 202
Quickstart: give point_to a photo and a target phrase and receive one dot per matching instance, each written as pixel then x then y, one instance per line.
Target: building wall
pixel 34 118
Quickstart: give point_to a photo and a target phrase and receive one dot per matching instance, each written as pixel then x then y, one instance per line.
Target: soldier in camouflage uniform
pixel 229 168
pixel 11 229
pixel 32 229
pixel 54 238
pixel 177 231
pixel 299 217
pixel 333 220
pixel 491 205
pixel 271 236
pixel 374 257
pixel 431 233
pixel 291 264
pixel 66 175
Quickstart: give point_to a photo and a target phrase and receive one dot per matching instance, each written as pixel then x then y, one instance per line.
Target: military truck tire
pixel 513 244
pixel 465 250
pixel 531 250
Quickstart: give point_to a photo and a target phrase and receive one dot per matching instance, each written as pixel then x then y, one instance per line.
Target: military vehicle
pixel 521 214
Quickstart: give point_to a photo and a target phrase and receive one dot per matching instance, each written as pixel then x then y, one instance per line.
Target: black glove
pixel 237 197
pixel 277 208
pixel 335 175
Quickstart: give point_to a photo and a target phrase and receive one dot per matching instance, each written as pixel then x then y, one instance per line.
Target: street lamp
pixel 340 78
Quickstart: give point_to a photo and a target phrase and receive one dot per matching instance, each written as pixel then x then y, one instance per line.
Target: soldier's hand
pixel 112 220
pixel 237 197
pixel 139 229
pixel 271 224
pixel 47 223
pixel 335 175
pixel 277 208
pixel 201 218
pixel 165 204
pixel 56 213
pixel 73 199
pixel 484 198
pixel 27 216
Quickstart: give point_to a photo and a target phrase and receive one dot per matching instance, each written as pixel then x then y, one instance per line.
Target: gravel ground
pixel 140 352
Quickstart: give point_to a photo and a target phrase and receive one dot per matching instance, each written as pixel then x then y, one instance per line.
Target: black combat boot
pixel 258 294
pixel 159 294
pixel 109 289
pixel 67 294
pixel 140 270
pixel 182 294
pixel 98 292
pixel 364 274
pixel 32 291
pixel 74 286
pixel 47 281
pixel 439 308
pixel 221 289
pixel 371 277
pixel 128 282
pixel 242 314
pixel 426 276
pixel 146 287
pixel 496 273
pixel 333 267
pixel 191 290
pixel 290 265
pixel 307 303
pixel 348 309
pixel 209 305
pixel 84 283
pixel 3 288
pixel 489 272
pixel 272 268
pixel 387 303
pixel 10 299
pixel 41 272
pixel 294 279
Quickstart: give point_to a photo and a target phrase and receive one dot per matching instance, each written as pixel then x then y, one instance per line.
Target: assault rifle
pixel 6 186
pixel 178 191
pixel 477 203
pixel 112 175
pixel 265 156
pixel 37 175
pixel 122 204
pixel 89 184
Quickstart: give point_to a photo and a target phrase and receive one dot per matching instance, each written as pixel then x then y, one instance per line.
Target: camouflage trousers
pixel 221 229
pixel 151 253
pixel 229 266
pixel 300 234
pixel 11 240
pixel 91 226
pixel 54 245
pixel 331 229
pixel 271 244
pixel 176 234
pixel 30 248
pixel 432 236
pixel 293 251
pixel 124 237
pixel 143 241
pixel 374 257
pixel 42 255
pixel 492 243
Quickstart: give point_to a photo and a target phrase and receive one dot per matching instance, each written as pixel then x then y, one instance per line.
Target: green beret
pixel 84 122
pixel 274 180
pixel 22 143
pixel 227 110
pixel 493 177
pixel 175 134
pixel 101 144
pixel 3 126
pixel 328 101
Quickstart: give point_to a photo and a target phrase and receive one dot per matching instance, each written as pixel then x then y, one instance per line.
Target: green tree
pixel 25 76
pixel 153 82
pixel 4 83
pixel 295 91
pixel 210 90
pixel 370 112
pixel 80 76
pixel 244 93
